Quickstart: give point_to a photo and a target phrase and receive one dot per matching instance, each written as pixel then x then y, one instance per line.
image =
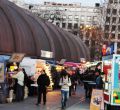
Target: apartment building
pixel 112 23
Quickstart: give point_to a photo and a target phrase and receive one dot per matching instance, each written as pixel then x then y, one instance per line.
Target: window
pixel 108 11
pixel 69 25
pixel 70 17
pixel 90 10
pixel 110 1
pixel 106 35
pixel 113 36
pixel 63 25
pixel 119 20
pixel 114 20
pixel 64 17
pixel 75 32
pixel 82 18
pixel 107 27
pixel 76 17
pixel 89 18
pixel 107 19
pixel 84 9
pixel 52 16
pixel 46 16
pixel 113 28
pixel 58 24
pixel 114 11
pixel 87 42
pixel 115 1
pixel 94 18
pixel 119 12
pixel 119 28
pixel 93 43
pixel 119 38
pixel 76 26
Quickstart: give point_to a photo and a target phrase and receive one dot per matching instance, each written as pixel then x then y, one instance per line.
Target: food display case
pixel 111 68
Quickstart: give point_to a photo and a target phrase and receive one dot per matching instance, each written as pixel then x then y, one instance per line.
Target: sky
pixel 83 2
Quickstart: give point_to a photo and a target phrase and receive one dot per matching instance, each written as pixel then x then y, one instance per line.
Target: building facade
pixel 112 24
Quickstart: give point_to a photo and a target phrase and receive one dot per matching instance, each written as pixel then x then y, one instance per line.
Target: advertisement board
pixel 97 100
pixel 1 72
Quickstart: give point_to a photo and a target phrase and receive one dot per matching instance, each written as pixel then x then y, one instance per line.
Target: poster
pixel 1 72
pixel 97 100
pixel 116 96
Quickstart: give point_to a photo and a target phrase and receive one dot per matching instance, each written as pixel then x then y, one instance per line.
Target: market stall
pixel 12 68
pixel 33 69
pixel 111 68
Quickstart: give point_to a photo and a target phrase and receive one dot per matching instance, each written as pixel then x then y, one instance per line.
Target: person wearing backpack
pixel 43 81
pixel 65 83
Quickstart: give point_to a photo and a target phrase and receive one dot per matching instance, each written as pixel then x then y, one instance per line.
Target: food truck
pixel 111 68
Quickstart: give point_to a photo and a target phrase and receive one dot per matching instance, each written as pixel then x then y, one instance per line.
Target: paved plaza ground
pixel 75 102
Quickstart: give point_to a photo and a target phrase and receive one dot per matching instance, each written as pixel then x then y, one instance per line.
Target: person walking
pixel 65 83
pixel 43 81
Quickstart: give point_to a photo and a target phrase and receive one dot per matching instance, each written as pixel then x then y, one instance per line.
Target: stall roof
pixel 29 34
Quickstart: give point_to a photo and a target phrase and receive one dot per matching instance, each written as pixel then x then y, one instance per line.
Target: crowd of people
pixel 92 76
pixel 19 80
pixel 63 79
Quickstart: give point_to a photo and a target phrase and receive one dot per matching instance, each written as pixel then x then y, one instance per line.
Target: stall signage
pixel 17 57
pixel 46 54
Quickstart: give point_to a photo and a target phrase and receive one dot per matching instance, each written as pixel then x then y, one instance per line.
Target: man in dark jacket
pixel 43 81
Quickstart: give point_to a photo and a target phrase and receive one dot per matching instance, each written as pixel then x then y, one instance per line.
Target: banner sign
pixel 16 57
pixel 46 54
pixel 97 100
